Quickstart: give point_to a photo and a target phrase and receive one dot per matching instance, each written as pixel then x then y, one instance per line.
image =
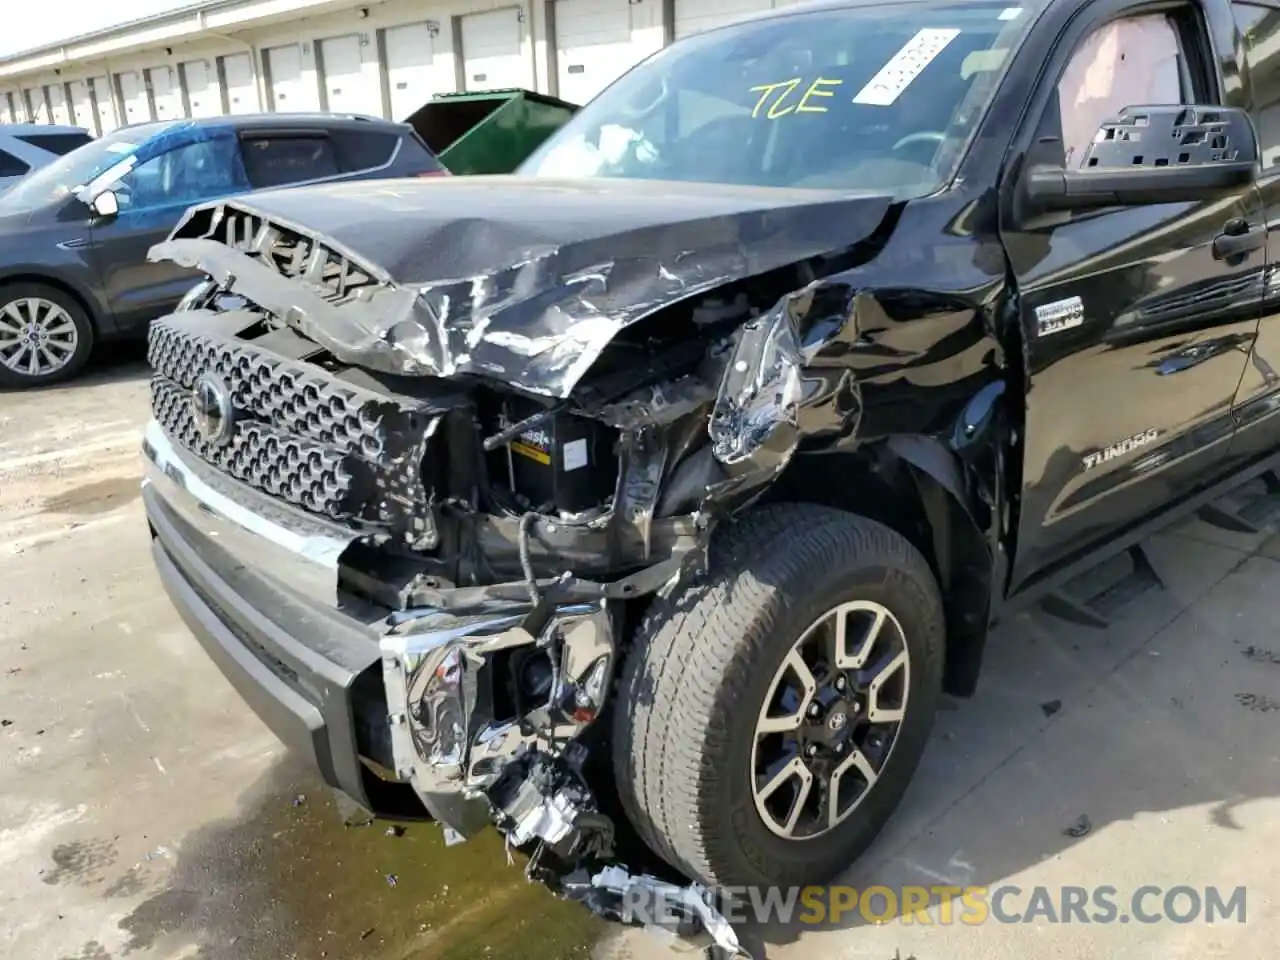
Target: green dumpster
pixel 489 132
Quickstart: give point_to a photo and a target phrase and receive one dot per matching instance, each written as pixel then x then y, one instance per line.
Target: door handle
pixel 1237 238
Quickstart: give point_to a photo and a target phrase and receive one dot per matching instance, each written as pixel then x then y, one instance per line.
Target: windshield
pixel 880 97
pixel 59 179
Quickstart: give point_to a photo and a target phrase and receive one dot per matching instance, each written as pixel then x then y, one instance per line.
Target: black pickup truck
pixel 663 487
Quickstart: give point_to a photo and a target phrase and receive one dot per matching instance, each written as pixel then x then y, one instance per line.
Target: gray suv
pixel 26 146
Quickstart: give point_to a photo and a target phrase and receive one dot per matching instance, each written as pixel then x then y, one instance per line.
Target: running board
pixel 1253 515
pixel 1101 606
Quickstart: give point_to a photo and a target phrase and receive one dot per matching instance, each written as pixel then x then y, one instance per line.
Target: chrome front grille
pixel 300 399
pixel 298 432
pixel 297 470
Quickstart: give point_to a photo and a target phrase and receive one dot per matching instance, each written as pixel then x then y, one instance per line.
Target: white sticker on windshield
pixel 907 64
pixel 1010 13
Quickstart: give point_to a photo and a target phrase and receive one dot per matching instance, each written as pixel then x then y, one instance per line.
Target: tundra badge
pixel 1120 448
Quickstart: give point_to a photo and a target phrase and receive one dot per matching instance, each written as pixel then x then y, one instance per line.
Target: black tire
pixel 85 334
pixel 699 671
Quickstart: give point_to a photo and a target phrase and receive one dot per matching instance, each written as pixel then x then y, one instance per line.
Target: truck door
pixel 1136 333
pixel 1258 399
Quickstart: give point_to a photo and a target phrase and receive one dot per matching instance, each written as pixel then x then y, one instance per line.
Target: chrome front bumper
pixel 298 550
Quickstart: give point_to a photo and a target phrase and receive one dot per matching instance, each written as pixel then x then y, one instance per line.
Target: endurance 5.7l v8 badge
pixel 1060 315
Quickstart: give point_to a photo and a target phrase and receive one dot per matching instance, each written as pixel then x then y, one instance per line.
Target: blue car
pixel 74 234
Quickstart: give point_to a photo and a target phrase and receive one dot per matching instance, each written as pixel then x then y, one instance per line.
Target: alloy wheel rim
pixel 37 336
pixel 830 720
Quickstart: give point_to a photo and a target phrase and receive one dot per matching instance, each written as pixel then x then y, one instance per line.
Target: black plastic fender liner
pixel 962 550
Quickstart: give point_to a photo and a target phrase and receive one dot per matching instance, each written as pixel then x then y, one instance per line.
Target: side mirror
pixel 105 205
pixel 1156 154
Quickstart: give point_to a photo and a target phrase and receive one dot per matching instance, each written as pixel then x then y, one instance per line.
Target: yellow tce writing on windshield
pixel 781 102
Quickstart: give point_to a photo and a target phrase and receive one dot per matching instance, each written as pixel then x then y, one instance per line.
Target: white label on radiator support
pixel 575 455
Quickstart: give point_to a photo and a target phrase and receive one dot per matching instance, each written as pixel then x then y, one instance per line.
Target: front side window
pixel 1133 61
pixel 189 174
pixel 881 98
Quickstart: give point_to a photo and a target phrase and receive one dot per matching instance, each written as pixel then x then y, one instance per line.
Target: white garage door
pixel 134 95
pixel 348 87
pixel 242 90
pixel 107 120
pixel 693 16
pixel 593 46
pixel 58 108
pixel 165 93
pixel 414 73
pixel 202 88
pixel 37 110
pixel 492 58
pixel 290 91
pixel 82 112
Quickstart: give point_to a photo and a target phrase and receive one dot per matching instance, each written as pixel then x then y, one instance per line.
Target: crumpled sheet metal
pixel 297 302
pixel 777 388
pixel 431 696
pixel 754 415
pixel 527 284
pixel 661 403
pixel 457 326
pixel 754 425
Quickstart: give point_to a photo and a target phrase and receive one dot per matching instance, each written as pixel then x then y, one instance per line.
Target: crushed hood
pixel 520 279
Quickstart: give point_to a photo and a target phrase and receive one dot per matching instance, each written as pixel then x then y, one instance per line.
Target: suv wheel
pixel 45 335
pixel 770 718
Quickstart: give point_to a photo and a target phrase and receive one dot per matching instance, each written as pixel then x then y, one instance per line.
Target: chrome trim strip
pixel 297 550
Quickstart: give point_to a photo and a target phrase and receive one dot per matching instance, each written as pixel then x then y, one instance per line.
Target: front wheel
pixel 45 335
pixel 770 718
